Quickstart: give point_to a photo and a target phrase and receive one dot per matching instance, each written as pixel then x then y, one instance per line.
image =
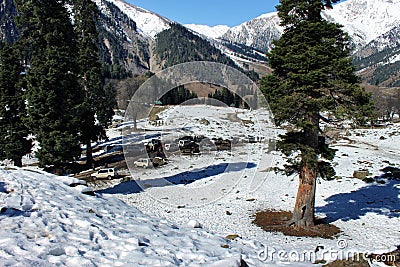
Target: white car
pixel 144 163
pixel 107 173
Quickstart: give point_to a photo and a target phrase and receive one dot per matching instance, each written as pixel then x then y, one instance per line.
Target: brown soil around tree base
pixel 278 221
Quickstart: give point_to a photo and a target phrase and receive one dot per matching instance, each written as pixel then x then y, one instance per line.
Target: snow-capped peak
pixel 148 23
pixel 366 20
pixel 258 32
pixel 213 32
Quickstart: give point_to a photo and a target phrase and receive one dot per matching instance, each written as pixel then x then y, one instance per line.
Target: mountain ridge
pixel 129 37
pixel 149 23
pixel 368 23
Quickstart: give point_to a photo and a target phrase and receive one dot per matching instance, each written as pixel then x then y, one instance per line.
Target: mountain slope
pixel 129 37
pixel 258 33
pixel 365 20
pixel 178 45
pixel 371 25
pixel 163 42
pixel 379 60
pixel 148 23
pixel 123 50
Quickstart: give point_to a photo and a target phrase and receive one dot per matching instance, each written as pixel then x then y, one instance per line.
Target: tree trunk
pixel 18 162
pixel 303 214
pixel 89 154
pixel 135 122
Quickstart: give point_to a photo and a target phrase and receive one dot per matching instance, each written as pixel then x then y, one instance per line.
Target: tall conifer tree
pixel 13 130
pixel 313 76
pixel 99 101
pixel 53 95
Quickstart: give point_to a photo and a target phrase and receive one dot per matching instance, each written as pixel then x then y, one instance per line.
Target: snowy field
pixel 181 213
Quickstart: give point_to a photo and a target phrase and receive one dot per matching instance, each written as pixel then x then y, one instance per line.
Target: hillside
pixel 372 25
pixel 133 39
pixel 379 60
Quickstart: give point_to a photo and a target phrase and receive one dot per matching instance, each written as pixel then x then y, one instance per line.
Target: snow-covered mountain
pixel 364 20
pixel 258 33
pixel 372 25
pixel 209 31
pixel 382 56
pixel 130 36
pixel 148 23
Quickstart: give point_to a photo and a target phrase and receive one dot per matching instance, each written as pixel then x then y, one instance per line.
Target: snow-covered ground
pixel 44 221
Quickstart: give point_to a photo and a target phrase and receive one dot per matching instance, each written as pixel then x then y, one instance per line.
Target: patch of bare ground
pixel 279 221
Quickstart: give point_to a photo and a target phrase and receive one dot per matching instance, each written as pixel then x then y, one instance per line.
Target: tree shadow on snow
pixel 12 212
pixel 3 187
pixel 186 177
pixel 375 198
pixel 126 188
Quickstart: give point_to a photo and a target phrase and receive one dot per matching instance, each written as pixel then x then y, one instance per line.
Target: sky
pixel 208 12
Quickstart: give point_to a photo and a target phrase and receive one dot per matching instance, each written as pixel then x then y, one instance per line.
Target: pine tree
pixel 54 99
pixel 99 101
pixel 13 131
pixel 313 76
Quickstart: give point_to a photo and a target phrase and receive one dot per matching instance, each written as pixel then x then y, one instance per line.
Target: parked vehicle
pixel 108 173
pixel 159 161
pixel 190 148
pixel 222 144
pixel 143 162
pixel 251 139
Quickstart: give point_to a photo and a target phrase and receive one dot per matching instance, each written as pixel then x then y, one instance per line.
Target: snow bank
pixel 46 222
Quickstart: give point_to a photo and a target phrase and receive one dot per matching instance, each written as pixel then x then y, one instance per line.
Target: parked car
pixel 159 161
pixel 143 162
pixel 190 148
pixel 108 173
pixel 222 144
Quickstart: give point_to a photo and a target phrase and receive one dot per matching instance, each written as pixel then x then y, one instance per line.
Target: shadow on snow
pixel 375 198
pixel 2 187
pixel 187 177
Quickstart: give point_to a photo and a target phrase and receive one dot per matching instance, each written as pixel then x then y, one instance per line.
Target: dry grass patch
pixel 279 221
